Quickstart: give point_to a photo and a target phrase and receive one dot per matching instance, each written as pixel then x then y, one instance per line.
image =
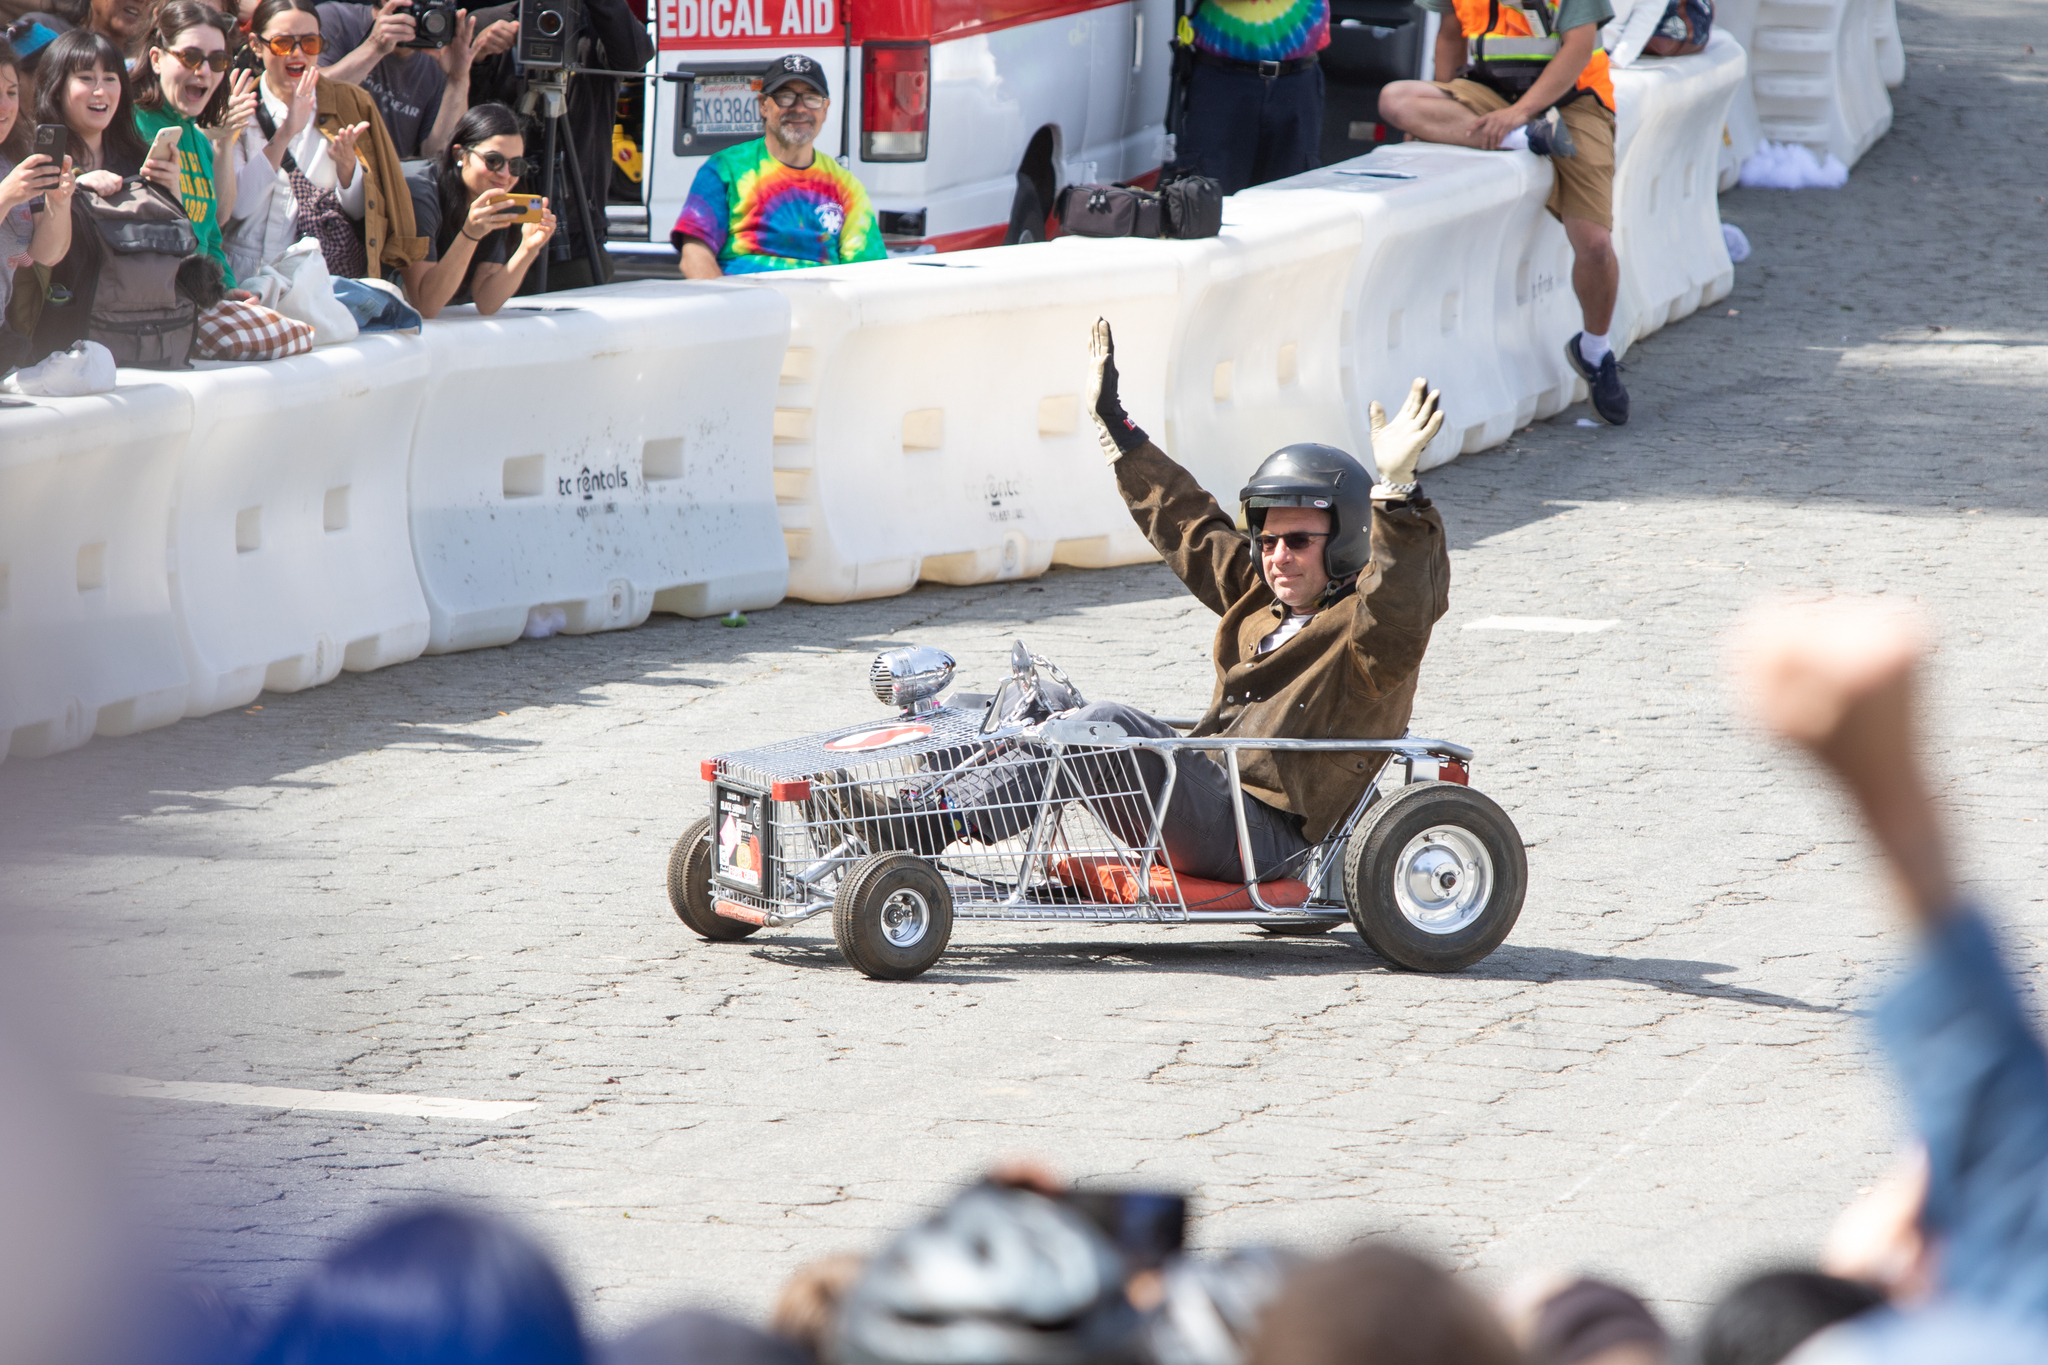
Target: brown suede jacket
pixel 1349 673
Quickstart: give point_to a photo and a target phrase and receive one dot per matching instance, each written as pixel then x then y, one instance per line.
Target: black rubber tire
pixel 863 899
pixel 1371 863
pixel 1027 214
pixel 689 887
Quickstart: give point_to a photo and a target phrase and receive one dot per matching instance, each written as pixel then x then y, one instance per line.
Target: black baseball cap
pixel 794 67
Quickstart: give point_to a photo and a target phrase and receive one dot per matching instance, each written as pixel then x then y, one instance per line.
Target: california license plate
pixel 725 106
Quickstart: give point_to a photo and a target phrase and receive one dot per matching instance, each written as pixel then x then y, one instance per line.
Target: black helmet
pixel 998 1277
pixel 1311 475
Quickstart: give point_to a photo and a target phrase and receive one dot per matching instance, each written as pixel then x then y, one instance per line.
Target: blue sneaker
pixel 1610 399
pixel 1549 137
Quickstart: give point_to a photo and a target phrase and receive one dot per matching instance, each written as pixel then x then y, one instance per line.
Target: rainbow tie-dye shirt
pixel 1262 30
pixel 758 214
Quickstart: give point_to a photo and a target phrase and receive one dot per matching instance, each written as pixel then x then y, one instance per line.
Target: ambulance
pixel 961 117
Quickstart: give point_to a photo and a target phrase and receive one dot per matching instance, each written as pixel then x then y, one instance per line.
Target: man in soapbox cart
pixel 1277 808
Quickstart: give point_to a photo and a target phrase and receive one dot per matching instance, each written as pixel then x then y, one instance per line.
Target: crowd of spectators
pixel 266 126
pixel 1939 1264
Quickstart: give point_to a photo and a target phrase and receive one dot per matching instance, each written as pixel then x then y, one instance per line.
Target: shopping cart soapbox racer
pixel 1298 800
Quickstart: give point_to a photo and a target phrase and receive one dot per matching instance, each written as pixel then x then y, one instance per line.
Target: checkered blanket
pixel 236 329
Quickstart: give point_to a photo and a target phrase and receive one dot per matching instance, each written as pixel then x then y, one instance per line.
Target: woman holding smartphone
pixel 462 204
pixel 316 161
pixel 26 235
pixel 184 85
pixel 82 83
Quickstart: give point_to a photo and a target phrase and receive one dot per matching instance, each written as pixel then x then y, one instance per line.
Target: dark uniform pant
pixel 1244 129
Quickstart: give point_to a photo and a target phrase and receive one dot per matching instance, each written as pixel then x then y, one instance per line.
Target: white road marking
pixel 282 1097
pixel 1564 625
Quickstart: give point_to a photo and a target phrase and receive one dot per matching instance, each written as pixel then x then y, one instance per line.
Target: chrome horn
pixel 911 677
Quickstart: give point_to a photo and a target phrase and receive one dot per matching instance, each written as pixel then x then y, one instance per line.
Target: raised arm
pixel 1197 538
pixel 1839 680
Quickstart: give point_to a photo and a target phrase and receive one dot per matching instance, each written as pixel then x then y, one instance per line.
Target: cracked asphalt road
pixel 446 879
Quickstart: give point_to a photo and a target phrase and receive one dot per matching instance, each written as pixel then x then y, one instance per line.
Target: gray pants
pixel 1200 828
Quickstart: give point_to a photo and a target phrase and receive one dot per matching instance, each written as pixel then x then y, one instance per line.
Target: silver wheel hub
pixel 905 918
pixel 1443 879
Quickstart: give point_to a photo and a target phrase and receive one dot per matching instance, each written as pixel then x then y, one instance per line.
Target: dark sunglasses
pixel 193 58
pixel 497 163
pixel 786 99
pixel 1296 541
pixel 308 43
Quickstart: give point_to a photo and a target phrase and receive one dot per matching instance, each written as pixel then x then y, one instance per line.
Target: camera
pixel 547 32
pixel 433 24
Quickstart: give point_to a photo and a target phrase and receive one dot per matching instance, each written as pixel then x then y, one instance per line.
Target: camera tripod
pixel 547 92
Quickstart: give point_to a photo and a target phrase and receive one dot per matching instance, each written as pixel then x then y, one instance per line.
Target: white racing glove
pixel 1398 444
pixel 1116 432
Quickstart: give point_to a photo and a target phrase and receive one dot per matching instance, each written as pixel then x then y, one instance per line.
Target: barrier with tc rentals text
pixel 87 643
pixel 929 420
pixel 289 554
pixel 602 454
pixel 1667 218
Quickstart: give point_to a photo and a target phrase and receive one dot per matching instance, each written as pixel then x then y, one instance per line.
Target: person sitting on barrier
pixel 326 138
pixel 1532 76
pixel 184 85
pixel 775 203
pixel 42 237
pixel 460 204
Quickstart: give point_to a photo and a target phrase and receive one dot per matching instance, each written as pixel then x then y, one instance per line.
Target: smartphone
pixel 529 207
pixel 51 140
pixel 1147 1225
pixel 165 147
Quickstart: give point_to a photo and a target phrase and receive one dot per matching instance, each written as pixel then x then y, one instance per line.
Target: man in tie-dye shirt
pixel 1255 97
pixel 774 203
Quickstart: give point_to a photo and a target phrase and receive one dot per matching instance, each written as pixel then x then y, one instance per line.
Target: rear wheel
pixel 689 887
pixel 1435 877
pixel 893 916
pixel 1027 214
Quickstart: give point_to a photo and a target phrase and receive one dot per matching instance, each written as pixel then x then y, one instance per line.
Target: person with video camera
pixel 462 205
pixel 607 38
pixel 414 61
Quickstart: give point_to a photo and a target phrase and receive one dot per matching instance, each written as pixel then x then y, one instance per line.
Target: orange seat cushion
pixel 1107 879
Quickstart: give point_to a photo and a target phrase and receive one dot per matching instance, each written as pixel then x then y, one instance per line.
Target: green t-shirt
pixel 1571 14
pixel 195 178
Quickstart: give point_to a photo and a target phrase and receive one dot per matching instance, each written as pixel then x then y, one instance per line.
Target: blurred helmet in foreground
pixel 1210 1307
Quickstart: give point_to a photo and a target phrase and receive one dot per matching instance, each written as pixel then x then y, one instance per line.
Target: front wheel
pixel 1027 214
pixel 689 887
pixel 1435 877
pixel 893 916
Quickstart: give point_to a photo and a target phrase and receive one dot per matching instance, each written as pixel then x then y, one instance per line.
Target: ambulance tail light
pixel 895 100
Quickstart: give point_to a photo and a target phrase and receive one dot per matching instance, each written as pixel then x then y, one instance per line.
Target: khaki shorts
pixel 1584 187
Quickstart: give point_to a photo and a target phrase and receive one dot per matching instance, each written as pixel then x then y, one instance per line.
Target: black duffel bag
pixel 1111 211
pixel 1194 205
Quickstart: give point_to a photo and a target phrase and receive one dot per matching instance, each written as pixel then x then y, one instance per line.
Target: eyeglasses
pixel 194 58
pixel 497 163
pixel 786 99
pixel 308 43
pixel 1296 541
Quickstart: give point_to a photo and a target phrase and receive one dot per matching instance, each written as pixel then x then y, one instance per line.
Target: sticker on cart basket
pixel 742 839
pixel 880 738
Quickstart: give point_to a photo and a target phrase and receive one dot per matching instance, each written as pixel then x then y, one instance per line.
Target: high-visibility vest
pixel 1505 35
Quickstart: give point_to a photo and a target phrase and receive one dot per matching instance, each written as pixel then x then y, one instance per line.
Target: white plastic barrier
pixel 929 421
pixel 1456 280
pixel 1744 127
pixel 605 454
pixel 87 643
pixel 1667 220
pixel 1814 70
pixel 290 560
pixel 1891 48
